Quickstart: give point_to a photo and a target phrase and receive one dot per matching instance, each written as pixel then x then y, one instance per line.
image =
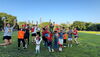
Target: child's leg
pixel 32 39
pixel 28 41
pixel 71 43
pixel 19 40
pixel 36 49
pixel 68 42
pixel 23 41
pixel 76 40
pixel 39 49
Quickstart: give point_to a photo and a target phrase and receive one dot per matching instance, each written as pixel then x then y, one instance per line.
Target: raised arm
pixel 4 23
pixel 14 23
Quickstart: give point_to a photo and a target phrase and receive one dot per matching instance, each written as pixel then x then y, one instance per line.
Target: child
pixel 26 36
pixel 60 40
pixel 21 38
pixel 65 38
pixel 55 40
pixel 38 40
pixel 7 37
pixel 46 32
pixel 49 39
pixel 70 32
pixel 33 30
pixel 75 32
pixel 51 27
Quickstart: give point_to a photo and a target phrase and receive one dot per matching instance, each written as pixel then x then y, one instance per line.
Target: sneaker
pixel 64 46
pixel 26 46
pixel 52 50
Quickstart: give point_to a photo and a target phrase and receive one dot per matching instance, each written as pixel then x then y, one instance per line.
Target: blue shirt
pixel 61 35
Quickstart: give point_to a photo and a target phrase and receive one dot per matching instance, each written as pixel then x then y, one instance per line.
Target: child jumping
pixel 75 32
pixel 38 40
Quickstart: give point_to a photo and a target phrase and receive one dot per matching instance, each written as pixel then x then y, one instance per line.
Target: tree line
pixel 88 26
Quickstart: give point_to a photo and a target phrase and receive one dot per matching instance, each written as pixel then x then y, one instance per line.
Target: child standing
pixel 70 32
pixel 65 38
pixel 49 39
pixel 21 38
pixel 26 36
pixel 56 40
pixel 60 40
pixel 38 40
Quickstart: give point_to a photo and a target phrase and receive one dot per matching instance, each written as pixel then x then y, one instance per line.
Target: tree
pixel 79 25
pixel 64 25
pixel 43 24
pixel 88 26
pixel 98 27
pixel 9 17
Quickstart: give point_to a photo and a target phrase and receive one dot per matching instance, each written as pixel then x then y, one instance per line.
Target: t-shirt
pixel 65 36
pixel 38 40
pixel 35 30
pixel 38 29
pixel 32 30
pixel 50 37
pixel 45 32
pixel 75 32
pixel 70 33
pixel 61 35
pixel 27 31
pixel 21 34
pixel 8 31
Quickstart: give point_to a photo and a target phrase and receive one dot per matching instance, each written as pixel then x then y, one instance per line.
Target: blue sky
pixel 60 11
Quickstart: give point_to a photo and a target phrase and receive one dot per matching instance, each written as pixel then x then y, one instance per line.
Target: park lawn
pixel 89 47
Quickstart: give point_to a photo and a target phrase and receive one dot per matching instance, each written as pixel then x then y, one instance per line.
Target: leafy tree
pixel 79 25
pixel 64 25
pixel 43 24
pixel 9 17
pixel 98 27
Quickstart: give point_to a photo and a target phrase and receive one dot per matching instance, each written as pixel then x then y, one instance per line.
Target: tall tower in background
pixel 40 20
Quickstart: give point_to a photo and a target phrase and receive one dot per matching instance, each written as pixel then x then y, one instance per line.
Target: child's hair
pixel 55 31
pixel 43 28
pixel 63 27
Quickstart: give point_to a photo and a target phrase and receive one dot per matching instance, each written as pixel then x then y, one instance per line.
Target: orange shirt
pixel 21 34
pixel 65 36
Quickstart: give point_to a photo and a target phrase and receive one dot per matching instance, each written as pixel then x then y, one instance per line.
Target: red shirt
pixel 50 37
pixel 32 30
pixel 75 32
pixel 44 32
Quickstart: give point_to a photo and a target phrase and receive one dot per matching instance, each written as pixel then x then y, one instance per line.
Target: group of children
pixel 55 39
pixel 52 38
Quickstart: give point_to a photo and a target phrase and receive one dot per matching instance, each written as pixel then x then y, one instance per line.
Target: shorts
pixel 7 37
pixel 26 36
pixel 39 33
pixel 33 34
pixel 64 41
pixel 69 39
pixel 75 36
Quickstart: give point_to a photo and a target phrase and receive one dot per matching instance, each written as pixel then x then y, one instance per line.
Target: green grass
pixel 89 47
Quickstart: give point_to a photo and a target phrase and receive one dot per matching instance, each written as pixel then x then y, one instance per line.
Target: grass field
pixel 89 47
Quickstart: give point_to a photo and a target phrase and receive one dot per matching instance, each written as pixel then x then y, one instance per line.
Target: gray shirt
pixel 70 33
pixel 8 31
